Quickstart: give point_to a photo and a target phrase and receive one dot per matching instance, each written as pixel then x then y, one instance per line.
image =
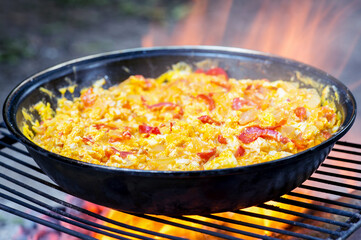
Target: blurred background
pixel 38 34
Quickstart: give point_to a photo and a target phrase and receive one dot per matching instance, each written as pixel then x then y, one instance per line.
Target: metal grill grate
pixel 327 206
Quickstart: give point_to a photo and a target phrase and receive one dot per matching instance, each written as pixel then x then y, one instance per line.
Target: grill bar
pixel 45 223
pixel 331 174
pixel 337 218
pixel 343 160
pixel 346 151
pixel 333 202
pixel 306 216
pixel 316 179
pixel 21 162
pixel 300 224
pixel 59 212
pixel 4 144
pixel 317 207
pixel 331 191
pixel 341 168
pixel 280 231
pixel 8 167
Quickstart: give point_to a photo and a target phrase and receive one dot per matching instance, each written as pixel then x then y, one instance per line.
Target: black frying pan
pixel 173 192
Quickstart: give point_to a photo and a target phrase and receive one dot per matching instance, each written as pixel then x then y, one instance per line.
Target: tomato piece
pixel 88 97
pixel 217 71
pixel 147 83
pixel 329 114
pixel 199 71
pixel 112 150
pixel 88 139
pixel 171 126
pixel 326 134
pixel 299 145
pixel 250 134
pixel 209 100
pixel 127 105
pixel 238 103
pixel 224 85
pixel 116 137
pixel 109 152
pixel 162 105
pixel 179 114
pixel 221 139
pixel 208 119
pixel 99 126
pixel 205 156
pixel 149 129
pixel 239 152
pixel 301 113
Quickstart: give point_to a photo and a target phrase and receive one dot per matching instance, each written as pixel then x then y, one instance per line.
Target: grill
pixel 330 201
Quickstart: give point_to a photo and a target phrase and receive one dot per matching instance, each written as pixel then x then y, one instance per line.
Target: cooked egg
pixel 185 120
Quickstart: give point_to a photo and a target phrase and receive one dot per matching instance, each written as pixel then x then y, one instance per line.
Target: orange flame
pixel 302 30
pixel 313 32
pixel 164 228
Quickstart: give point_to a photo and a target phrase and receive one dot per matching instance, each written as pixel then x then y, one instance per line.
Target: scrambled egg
pixel 185 120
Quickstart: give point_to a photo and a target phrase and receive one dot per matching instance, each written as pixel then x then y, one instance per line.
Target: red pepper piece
pixel 88 139
pixel 88 97
pixel 221 139
pixel 239 152
pixel 98 126
pixel 238 103
pixel 149 129
pixel 328 113
pixel 217 71
pixel 224 85
pixel 122 154
pixel 299 144
pixel 109 152
pixel 116 137
pixel 148 84
pixel 209 100
pixel 127 105
pixel 162 105
pixel 209 120
pixel 326 134
pixel 301 113
pixel 179 114
pixel 205 156
pixel 112 150
pixel 171 126
pixel 250 134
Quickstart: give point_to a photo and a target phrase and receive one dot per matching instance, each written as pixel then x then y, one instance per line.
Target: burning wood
pixel 40 232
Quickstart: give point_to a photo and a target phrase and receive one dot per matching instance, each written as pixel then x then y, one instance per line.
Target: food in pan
pixel 186 120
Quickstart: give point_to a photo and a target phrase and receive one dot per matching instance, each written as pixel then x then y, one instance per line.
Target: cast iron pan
pixel 173 192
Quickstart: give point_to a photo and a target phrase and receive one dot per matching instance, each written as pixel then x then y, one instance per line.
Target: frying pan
pixel 174 192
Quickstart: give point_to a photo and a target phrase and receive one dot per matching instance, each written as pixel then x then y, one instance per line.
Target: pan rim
pixel 10 122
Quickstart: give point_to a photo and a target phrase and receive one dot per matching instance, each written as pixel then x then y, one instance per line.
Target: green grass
pixel 12 50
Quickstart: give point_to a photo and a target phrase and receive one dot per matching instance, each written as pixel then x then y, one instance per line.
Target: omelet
pixel 185 120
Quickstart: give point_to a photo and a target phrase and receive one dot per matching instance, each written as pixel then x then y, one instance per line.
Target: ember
pixel 40 232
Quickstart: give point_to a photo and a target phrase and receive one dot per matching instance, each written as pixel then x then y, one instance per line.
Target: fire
pixel 302 30
pixel 164 228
